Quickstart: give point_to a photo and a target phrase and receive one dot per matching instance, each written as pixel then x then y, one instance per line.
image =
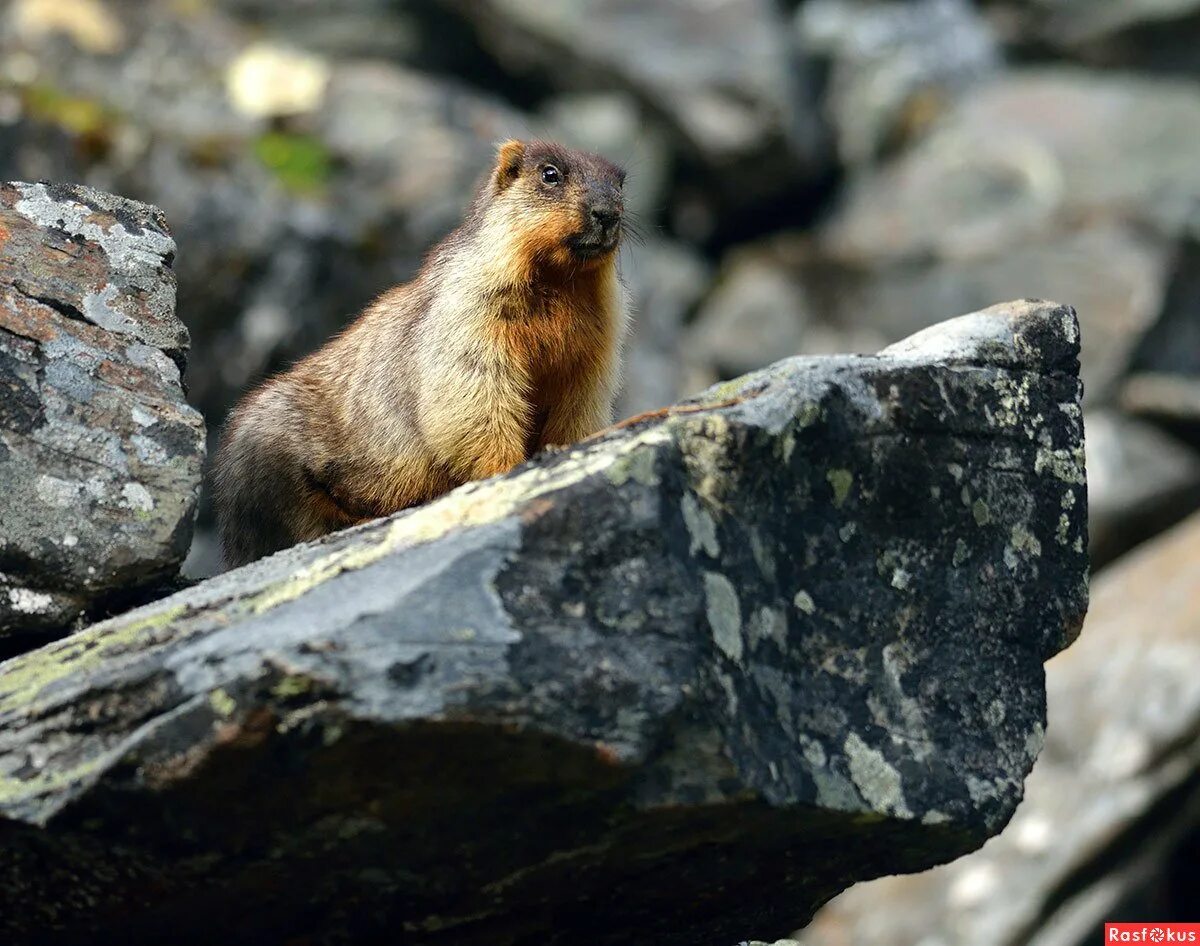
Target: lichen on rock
pixel 682 656
pixel 100 455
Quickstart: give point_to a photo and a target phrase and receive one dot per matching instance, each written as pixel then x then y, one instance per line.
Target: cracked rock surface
pixel 100 456
pixel 679 684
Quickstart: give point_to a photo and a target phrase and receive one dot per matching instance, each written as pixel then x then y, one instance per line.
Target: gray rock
pixel 1065 184
pixel 893 65
pixel 723 79
pixel 1165 381
pixel 1140 481
pixel 678 684
pixel 1026 154
pixel 1115 274
pixel 100 456
pixel 756 314
pixel 1156 35
pixel 665 282
pixel 1113 792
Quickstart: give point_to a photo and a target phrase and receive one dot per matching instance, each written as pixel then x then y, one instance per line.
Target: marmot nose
pixel 605 215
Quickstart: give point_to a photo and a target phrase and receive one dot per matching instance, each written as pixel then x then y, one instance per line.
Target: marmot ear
pixel 509 156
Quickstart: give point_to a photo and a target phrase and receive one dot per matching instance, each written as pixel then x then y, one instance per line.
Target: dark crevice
pixel 65 309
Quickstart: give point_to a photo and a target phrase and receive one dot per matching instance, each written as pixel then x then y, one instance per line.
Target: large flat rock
pixel 679 684
pixel 100 455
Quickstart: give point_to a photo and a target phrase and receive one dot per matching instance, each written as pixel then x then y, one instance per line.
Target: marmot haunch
pixel 505 342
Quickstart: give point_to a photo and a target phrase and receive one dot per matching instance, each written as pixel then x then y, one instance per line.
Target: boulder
pixel 666 280
pixel 100 456
pixel 678 684
pixel 1148 35
pixel 1164 382
pixel 894 66
pixel 756 313
pixel 1140 482
pixel 1054 180
pixel 723 79
pixel 1116 790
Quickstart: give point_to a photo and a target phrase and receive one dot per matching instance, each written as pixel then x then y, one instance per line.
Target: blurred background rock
pixel 818 176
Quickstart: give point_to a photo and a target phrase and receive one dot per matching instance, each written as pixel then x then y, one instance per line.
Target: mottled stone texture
pixel 678 685
pixel 1117 788
pixel 99 454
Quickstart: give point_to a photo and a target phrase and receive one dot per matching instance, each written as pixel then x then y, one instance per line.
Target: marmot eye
pixel 550 174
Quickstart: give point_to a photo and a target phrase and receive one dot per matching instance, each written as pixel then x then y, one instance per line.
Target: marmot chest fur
pixel 506 341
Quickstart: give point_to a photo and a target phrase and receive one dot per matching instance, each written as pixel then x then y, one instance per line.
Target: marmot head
pixel 564 207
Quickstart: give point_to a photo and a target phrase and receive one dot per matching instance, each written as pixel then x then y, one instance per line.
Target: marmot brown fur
pixel 506 341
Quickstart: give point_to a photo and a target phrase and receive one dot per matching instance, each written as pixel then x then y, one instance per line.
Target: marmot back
pixel 506 341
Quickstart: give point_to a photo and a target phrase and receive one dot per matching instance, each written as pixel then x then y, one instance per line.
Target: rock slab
pixel 100 456
pixel 679 684
pixel 1117 787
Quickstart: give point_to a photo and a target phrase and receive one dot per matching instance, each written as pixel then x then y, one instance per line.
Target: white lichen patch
pixel 704 445
pixel 767 624
pixel 877 781
pixel 98 310
pixel 983 791
pixel 149 450
pixel 933 816
pixel 142 417
pixel 846 532
pixel 128 253
pixel 724 614
pixel 901 579
pixel 637 465
pixel 28 601
pixel 1025 541
pixel 1034 742
pixel 813 751
pixel 731 700
pixel 147 356
pixel 834 791
pixel 1013 404
pixel 962 552
pixel 1065 465
pixel 56 492
pixel 841 481
pixel 136 497
pixel 787 445
pixel 981 512
pixel 804 602
pixel 222 703
pixel 1063 532
pixel 994 713
pixel 701 527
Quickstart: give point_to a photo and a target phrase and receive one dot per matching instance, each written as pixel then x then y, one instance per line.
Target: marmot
pixel 505 342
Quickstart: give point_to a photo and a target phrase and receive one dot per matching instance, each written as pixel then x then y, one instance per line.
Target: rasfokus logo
pixel 1152 933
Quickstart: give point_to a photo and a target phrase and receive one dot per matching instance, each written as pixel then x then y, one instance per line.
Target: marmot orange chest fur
pixel 506 341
